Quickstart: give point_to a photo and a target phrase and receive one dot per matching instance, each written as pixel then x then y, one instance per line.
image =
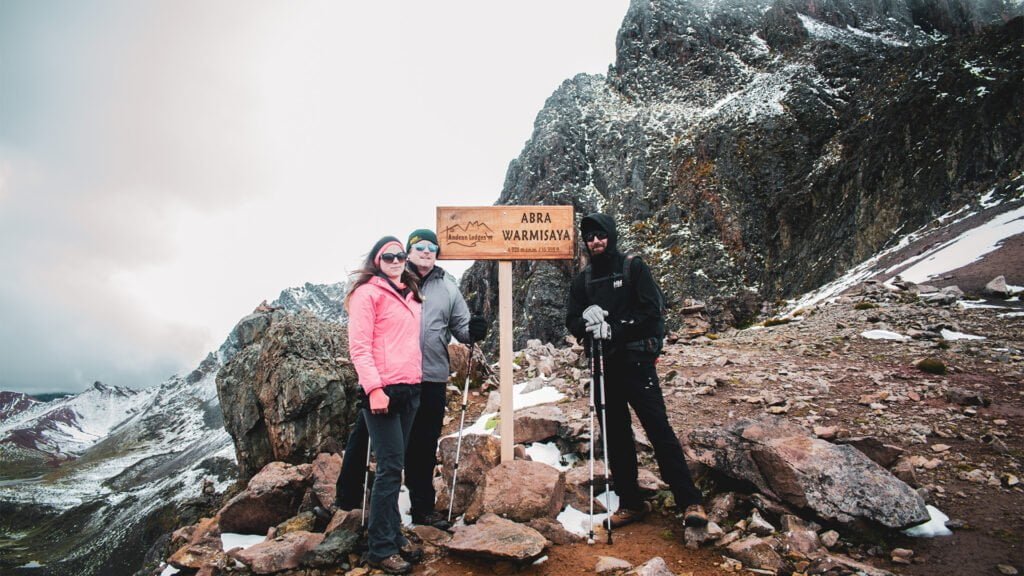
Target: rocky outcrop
pixel 290 392
pixel 756 150
pixel 782 459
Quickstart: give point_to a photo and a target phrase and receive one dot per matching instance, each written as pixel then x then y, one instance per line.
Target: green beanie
pixel 419 235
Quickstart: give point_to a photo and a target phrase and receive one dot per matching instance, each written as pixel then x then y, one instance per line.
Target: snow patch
pixel 952 335
pixel 578 522
pixel 231 540
pixel 966 248
pixel 548 453
pixel 884 335
pixel 935 526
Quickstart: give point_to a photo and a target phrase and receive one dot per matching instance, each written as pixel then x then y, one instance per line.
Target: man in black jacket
pixel 624 317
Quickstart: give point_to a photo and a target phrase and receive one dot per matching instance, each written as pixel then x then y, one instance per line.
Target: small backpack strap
pixel 627 264
pixel 588 279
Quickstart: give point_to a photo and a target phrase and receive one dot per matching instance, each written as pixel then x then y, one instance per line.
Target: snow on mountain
pixel 73 424
pixel 326 301
pixel 12 403
pixel 111 460
pixel 953 240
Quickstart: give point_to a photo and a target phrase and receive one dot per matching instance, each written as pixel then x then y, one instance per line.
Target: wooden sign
pixel 506 232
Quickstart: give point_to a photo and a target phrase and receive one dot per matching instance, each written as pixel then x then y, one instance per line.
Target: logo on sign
pixel 469 235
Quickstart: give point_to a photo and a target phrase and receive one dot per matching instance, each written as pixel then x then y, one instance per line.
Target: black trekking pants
pixel 629 382
pixel 420 455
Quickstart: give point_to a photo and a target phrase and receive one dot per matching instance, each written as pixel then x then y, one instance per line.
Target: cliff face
pixel 754 151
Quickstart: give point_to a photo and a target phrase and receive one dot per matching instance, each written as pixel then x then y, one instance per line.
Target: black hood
pixel 604 222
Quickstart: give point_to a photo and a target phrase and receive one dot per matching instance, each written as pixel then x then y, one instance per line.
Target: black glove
pixel 477 328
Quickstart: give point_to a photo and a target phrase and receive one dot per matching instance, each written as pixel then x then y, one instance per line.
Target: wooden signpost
pixel 506 233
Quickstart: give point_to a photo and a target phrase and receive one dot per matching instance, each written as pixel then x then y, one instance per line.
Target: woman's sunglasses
pixel 590 235
pixel 390 258
pixel 425 246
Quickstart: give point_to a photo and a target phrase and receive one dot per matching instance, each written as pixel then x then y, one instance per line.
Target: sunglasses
pixel 590 235
pixel 425 246
pixel 390 258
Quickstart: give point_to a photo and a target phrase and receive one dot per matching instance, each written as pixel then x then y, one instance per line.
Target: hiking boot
pixel 393 564
pixel 624 516
pixel 432 518
pixel 411 552
pixel 695 516
pixel 325 513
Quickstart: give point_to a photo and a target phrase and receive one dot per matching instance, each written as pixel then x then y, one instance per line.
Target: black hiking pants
pixel 631 382
pixel 420 455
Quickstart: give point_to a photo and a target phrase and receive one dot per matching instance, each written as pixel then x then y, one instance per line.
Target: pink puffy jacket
pixel 384 336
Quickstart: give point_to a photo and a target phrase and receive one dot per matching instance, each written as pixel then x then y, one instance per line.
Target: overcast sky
pixel 167 165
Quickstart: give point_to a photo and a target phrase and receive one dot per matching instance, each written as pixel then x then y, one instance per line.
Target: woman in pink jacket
pixel 384 307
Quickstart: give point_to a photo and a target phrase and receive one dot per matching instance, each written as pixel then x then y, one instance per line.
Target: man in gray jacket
pixel 445 314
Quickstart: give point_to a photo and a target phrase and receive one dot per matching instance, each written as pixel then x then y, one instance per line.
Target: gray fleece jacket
pixel 445 314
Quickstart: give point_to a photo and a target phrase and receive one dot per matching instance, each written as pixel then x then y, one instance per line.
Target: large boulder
pixel 498 538
pixel 479 453
pixel 537 423
pixel 520 490
pixel 290 392
pixel 271 497
pixel 284 553
pixel 784 460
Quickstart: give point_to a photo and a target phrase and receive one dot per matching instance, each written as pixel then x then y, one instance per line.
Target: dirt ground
pixel 824 368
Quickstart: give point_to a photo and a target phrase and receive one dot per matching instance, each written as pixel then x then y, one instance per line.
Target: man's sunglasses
pixel 390 258
pixel 590 235
pixel 425 246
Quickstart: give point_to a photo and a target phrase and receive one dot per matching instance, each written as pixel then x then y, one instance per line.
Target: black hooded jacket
pixel 634 312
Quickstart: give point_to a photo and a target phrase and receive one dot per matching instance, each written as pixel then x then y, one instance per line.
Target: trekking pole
pixel 590 538
pixel 462 424
pixel 604 438
pixel 366 481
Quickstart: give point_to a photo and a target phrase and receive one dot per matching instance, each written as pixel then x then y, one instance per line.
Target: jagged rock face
pixel 756 150
pixel 290 393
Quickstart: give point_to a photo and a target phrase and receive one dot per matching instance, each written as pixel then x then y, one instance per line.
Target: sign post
pixel 506 233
